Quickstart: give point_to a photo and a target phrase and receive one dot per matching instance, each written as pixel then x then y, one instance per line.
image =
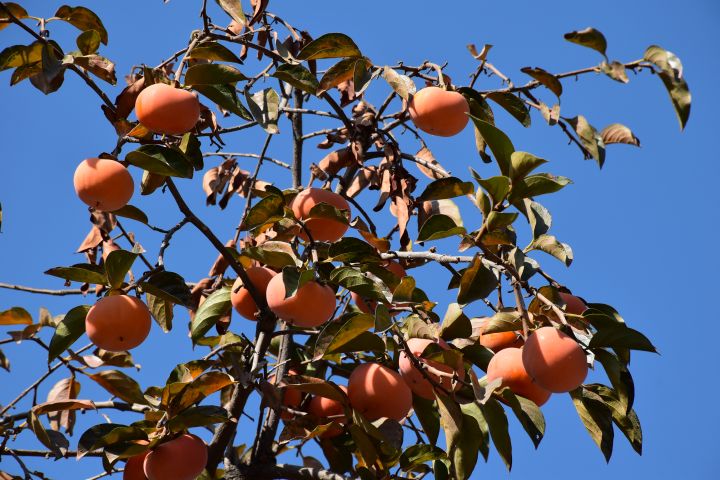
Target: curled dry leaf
pixel 426 155
pixel 92 240
pixel 65 389
pixel 347 92
pixel 220 265
pixel 125 101
pixel 336 161
pixel 619 133
pixel 105 221
pixel 367 176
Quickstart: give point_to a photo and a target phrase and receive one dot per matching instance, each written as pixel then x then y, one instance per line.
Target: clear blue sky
pixel 639 228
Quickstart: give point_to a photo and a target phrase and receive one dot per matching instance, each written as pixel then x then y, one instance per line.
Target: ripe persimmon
pixel 103 184
pixel 554 360
pixel 291 397
pixel 376 392
pixel 321 229
pixel 167 110
pixel 135 468
pixel 240 297
pixel 312 305
pixel 182 458
pixel 118 323
pixel 439 112
pixel 500 340
pixel 323 407
pixel 573 304
pixel 508 365
pixel 418 382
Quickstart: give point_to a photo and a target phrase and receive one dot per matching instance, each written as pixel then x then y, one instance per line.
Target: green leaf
pixel 596 417
pixel 226 97
pixel 92 435
pixel 337 334
pixel 537 215
pixel 268 210
pixel 522 163
pixel 621 336
pixel 20 55
pixel 615 70
pixel 169 286
pixel 234 9
pixel 429 417
pixel 98 65
pixel 190 146
pixel 216 306
pixel 297 76
pixel 88 42
pixel 552 246
pixel 70 328
pixel 415 456
pixel 500 220
pixel 17 11
pixel 503 321
pixel 132 212
pixel 80 272
pixel 529 415
pixel 439 226
pixel 330 45
pixel 161 160
pixel 626 420
pixel 55 441
pixel 590 38
pixel 501 146
pixel 265 108
pixel 455 324
pixel 619 376
pixel 448 187
pixel 355 281
pixel 401 84
pixel 83 19
pixel 545 78
pixel 590 138
pixel 117 264
pixel 213 51
pixel 295 278
pixel 480 109
pixel 462 437
pixel 15 316
pixel 212 74
pixel 345 69
pixel 537 184
pixel 498 423
pixel 363 342
pixel 351 249
pixel 619 133
pixel 120 385
pixel 513 105
pixel 671 74
pixel 497 187
pixel 199 388
pixel 161 310
pixel 199 416
pixel 477 282
pixel 273 254
pixel 48 75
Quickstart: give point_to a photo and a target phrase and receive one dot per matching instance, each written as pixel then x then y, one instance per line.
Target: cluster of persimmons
pixel 547 361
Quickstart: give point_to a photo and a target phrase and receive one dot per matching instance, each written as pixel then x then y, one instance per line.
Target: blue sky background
pixel 642 229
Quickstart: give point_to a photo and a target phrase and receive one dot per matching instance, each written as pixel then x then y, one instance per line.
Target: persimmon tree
pixel 350 352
